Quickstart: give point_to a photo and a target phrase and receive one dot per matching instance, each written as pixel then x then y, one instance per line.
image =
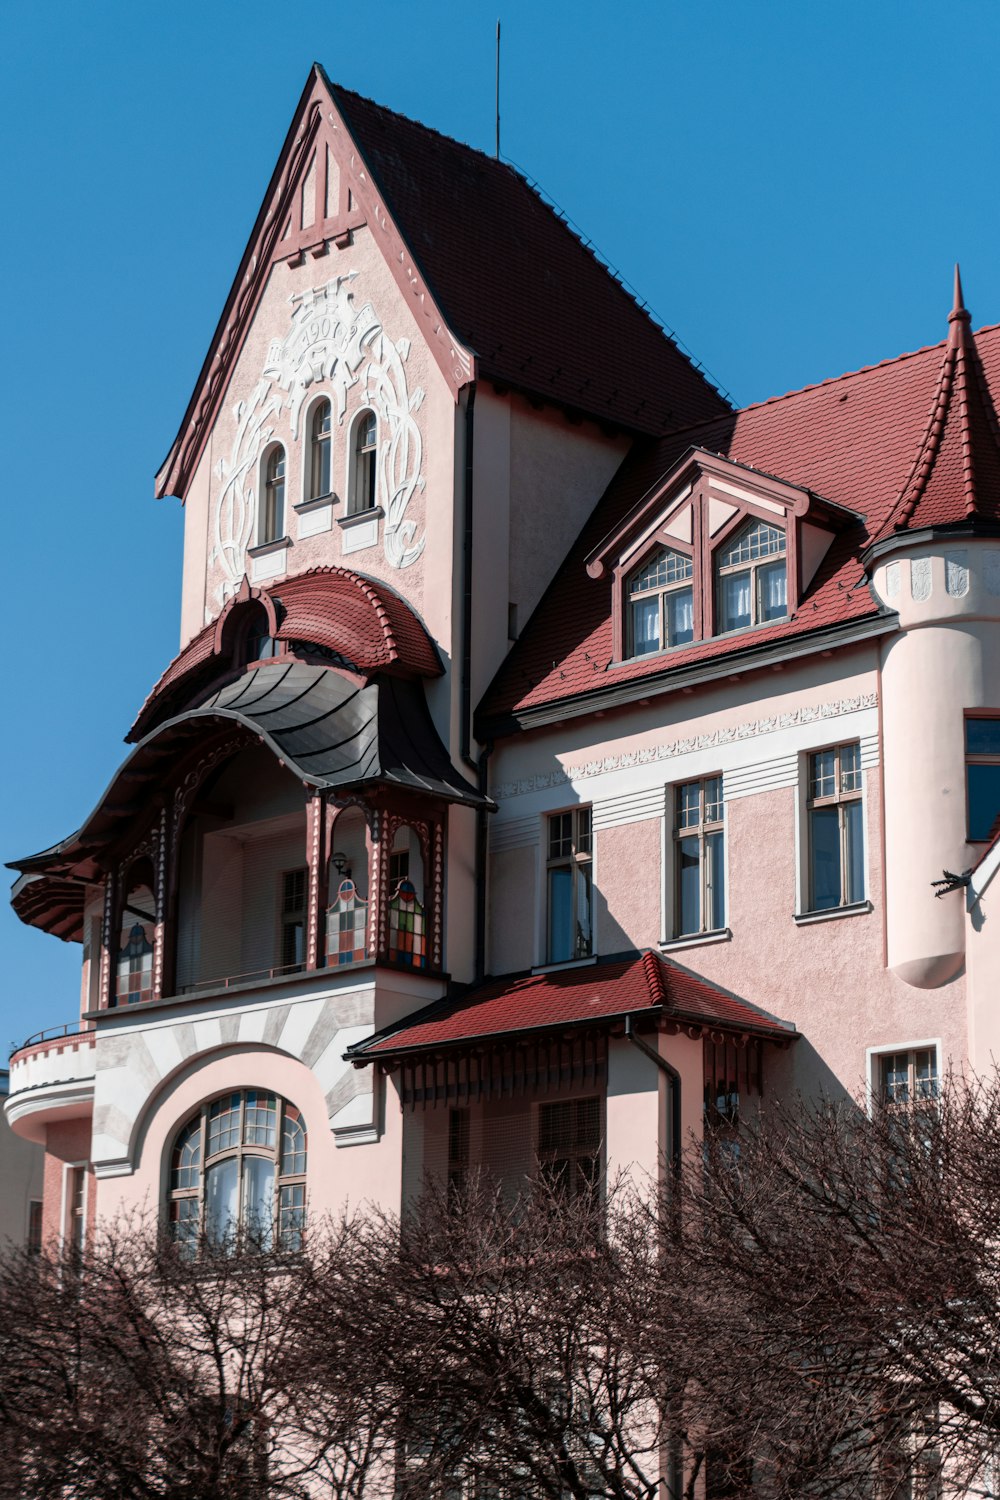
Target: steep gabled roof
pixel 500 283
pixel 609 990
pixel 856 440
pixel 517 286
pixel 956 475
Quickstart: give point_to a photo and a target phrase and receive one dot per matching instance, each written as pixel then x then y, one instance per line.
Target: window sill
pixel 697 939
pixel 809 918
pixel 315 502
pixel 567 963
pixel 265 549
pixel 358 517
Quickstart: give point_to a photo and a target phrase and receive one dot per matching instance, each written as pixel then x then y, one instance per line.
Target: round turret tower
pixel 937 563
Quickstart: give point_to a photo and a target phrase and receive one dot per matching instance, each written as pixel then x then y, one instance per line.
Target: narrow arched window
pixel 363 479
pixel 661 603
pixel 319 450
pixel 238 1174
pixel 272 509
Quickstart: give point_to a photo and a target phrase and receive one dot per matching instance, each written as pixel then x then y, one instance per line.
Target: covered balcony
pixel 291 820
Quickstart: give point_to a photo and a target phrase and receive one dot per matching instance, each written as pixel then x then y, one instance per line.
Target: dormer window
pixel 752 578
pixel 272 508
pixel 319 450
pixel 661 602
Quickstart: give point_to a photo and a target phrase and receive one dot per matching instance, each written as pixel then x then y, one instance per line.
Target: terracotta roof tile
pixel 575 996
pixel 517 286
pixel 854 440
pixel 358 618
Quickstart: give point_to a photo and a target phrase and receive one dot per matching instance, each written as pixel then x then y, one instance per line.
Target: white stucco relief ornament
pixel 333 343
pixel 235 512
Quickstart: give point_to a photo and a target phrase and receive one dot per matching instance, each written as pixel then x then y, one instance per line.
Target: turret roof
pixel 956 473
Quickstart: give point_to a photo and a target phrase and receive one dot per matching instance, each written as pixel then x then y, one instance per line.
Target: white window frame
pixel 670 885
pixel 281 530
pixel 65 1205
pixel 305 478
pixel 353 509
pixel 873 1062
pixel 804 916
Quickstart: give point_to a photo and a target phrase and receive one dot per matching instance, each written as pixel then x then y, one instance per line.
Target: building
pixel 22 1165
pixel 553 752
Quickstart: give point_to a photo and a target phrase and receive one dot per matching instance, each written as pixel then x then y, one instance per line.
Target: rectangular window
pixel 458 1150
pixel 76 1196
pixel 836 838
pixel 699 857
pixel 982 778
pixel 35 1227
pixel 569 1145
pixel 909 1077
pixel 294 884
pixel 569 882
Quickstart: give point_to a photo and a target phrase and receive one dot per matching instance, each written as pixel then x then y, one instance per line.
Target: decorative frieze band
pixel 809 714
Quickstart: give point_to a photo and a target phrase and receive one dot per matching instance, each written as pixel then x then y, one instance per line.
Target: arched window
pixel 238 1174
pixel 134 963
pixel 319 450
pixel 272 500
pixel 407 917
pixel 362 496
pixel 661 602
pixel 751 577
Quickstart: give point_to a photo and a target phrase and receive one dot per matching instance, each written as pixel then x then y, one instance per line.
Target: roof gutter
pixel 673 1086
pixel 467 398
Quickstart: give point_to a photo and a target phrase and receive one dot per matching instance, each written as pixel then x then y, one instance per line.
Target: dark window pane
pixel 984 800
pixel 982 736
pixel 688 887
pixel 583 936
pixel 715 881
pixel 824 836
pixel 560 914
pixel 855 872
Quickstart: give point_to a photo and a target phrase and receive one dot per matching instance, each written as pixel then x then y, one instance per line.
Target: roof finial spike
pixel 958 319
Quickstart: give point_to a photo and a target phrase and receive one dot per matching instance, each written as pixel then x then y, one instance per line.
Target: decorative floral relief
pixel 892 580
pixel 672 748
pixel 332 343
pixel 920 579
pixel 956 574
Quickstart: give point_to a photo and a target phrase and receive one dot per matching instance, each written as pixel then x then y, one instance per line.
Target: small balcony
pixel 51 1076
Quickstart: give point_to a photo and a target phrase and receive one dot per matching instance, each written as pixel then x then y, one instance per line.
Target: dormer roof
pixel 500 283
pixel 956 473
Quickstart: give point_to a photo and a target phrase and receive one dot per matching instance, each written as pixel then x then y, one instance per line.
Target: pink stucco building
pixel 552 752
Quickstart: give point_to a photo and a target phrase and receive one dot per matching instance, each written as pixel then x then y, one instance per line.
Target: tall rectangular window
pixel 76 1210
pixel 35 1227
pixel 982 778
pixel 836 838
pixel 699 857
pixel 569 882
pixel 294 884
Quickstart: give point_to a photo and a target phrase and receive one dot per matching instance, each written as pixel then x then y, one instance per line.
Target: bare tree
pixel 830 1300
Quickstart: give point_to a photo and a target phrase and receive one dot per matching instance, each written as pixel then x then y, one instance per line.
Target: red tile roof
pixel 854 440
pixel 956 476
pixel 573 997
pixel 358 618
pixel 517 286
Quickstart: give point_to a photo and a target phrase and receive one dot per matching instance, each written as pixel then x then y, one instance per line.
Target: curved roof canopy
pixel 327 729
pixel 358 621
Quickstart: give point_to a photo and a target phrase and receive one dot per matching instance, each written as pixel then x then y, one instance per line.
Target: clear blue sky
pixel 787 183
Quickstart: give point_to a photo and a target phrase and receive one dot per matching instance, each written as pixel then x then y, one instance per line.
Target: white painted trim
pixel 349 456
pixel 871 1053
pixel 810 918
pixel 73 1166
pixel 569 963
pixel 982 876
pixel 669 507
pixel 305 448
pixel 697 940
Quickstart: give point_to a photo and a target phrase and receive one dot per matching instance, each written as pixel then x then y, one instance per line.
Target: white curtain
pixel 681 617
pixel 222 1199
pixel 735 600
pixel 645 625
pixel 775 591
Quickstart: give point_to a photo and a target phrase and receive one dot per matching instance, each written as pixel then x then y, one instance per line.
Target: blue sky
pixel 787 184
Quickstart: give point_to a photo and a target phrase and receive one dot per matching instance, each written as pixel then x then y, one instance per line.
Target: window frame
pixel 271 517
pixel 702 830
pixel 286 918
pixel 745 522
pixel 572 1155
pixel 238 1152
pixel 839 799
pixel 578 860
pixel 876 1056
pixel 978 758
pixel 362 460
pixel 318 442
pixel 685 584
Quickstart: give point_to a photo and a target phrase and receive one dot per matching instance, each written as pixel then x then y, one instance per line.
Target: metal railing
pixel 51 1034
